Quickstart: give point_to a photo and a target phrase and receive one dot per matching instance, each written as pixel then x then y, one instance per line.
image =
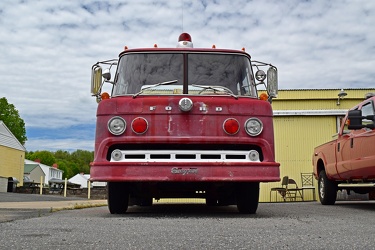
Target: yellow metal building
pixel 12 156
pixel 304 119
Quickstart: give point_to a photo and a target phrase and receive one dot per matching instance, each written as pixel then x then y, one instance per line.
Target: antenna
pixel 182 16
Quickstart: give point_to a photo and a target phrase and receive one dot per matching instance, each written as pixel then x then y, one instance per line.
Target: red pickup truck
pixel 348 162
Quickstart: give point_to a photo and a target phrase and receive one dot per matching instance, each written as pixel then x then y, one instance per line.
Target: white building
pixel 50 172
pixel 82 180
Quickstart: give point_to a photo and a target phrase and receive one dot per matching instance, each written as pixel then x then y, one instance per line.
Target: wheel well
pixel 320 166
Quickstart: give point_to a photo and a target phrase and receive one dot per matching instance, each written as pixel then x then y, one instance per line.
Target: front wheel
pixel 327 189
pixel 118 197
pixel 247 195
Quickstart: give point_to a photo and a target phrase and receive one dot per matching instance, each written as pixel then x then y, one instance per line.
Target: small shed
pixel 49 171
pixel 34 172
pixel 82 180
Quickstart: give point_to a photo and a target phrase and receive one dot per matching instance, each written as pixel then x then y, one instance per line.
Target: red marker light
pixel 184 37
pixel 105 96
pixel 139 125
pixel 263 97
pixel 231 126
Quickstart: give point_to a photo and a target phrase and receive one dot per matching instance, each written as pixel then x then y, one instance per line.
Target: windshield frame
pixel 251 90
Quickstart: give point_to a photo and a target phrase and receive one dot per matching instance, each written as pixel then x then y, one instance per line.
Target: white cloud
pixel 48 47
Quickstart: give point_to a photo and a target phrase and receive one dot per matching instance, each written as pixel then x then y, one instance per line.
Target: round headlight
pixel 253 155
pixel 116 125
pixel 116 155
pixel 253 126
pixel 260 75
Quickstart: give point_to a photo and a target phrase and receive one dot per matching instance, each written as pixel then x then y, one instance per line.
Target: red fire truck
pixel 184 122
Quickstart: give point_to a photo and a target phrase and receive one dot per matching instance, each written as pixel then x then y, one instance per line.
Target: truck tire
pixel 118 197
pixel 211 201
pixel 146 202
pixel 247 196
pixel 327 189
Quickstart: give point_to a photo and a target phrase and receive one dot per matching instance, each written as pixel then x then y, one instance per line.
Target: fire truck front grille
pixel 184 156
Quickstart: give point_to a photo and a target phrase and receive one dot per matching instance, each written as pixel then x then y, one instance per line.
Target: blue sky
pixel 48 47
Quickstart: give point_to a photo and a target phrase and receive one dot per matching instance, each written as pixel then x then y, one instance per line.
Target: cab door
pixel 344 152
pixel 363 148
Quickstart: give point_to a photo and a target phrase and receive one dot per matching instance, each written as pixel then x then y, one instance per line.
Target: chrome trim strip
pixel 184 156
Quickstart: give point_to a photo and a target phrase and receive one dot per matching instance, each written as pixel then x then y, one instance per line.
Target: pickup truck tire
pixel 211 201
pixel 247 196
pixel 327 189
pixel 118 197
pixel 146 202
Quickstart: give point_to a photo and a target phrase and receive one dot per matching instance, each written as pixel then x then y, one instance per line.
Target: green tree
pixel 83 158
pixel 64 166
pixel 44 156
pixel 62 155
pixel 75 162
pixel 71 163
pixel 11 118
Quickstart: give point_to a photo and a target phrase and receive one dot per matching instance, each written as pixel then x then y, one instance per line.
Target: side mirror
pixel 355 119
pixel 272 82
pixel 96 79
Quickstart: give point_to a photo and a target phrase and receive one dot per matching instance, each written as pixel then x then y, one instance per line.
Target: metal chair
pixel 307 180
pixel 293 191
pixel 281 190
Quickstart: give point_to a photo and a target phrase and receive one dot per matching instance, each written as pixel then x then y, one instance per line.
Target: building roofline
pixel 325 89
pixel 18 146
pixel 326 112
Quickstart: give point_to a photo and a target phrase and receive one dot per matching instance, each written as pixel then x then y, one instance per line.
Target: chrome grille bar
pixel 181 156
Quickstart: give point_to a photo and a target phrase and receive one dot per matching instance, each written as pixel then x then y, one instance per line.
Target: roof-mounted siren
pixel 184 41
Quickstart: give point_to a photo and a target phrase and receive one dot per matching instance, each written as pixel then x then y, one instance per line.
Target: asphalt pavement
pixel 15 206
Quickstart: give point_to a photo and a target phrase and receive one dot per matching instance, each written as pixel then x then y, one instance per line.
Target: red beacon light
pixel 184 41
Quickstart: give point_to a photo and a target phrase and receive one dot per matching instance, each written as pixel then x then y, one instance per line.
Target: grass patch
pixel 78 206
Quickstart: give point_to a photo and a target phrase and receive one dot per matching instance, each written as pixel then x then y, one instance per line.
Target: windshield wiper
pixel 153 86
pixel 216 88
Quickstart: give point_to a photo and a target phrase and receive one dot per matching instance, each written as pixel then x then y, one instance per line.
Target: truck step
pixel 357 185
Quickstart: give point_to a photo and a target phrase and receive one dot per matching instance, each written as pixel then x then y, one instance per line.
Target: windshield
pixel 163 74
